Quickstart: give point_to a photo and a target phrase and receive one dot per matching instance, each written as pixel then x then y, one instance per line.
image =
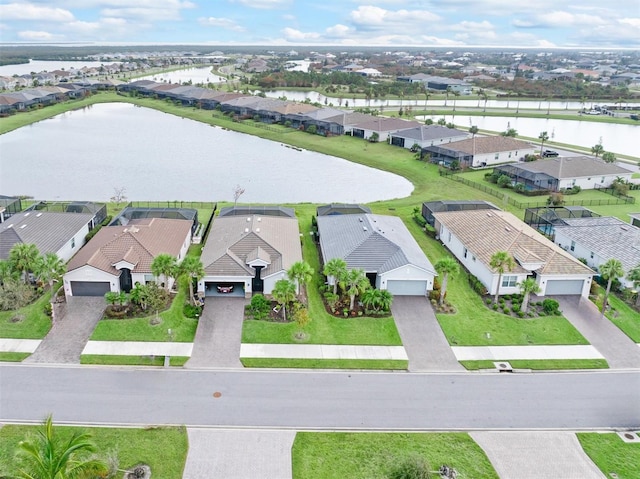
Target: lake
pixel 195 75
pixel 85 154
pixel 49 66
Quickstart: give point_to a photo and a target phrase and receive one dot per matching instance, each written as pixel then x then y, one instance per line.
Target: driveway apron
pixel 69 334
pixel 422 337
pixel 239 454
pixel 617 348
pixel 219 333
pixel 537 455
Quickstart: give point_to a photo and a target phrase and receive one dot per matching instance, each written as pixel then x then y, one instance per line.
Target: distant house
pixel 558 173
pixel 9 206
pixel 380 245
pixel 118 257
pixel 249 253
pixel 480 151
pixel 597 240
pixel 427 135
pixel 475 236
pixel 431 207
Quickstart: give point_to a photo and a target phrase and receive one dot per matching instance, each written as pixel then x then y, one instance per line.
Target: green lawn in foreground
pixel 131 360
pixel 371 455
pixel 34 325
pixel 611 454
pixel 164 449
pixel 624 317
pixel 541 364
pixel 324 363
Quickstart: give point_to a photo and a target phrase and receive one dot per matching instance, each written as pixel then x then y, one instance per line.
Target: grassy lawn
pixel 140 329
pixel 612 454
pixel 623 316
pixel 35 324
pixel 13 357
pixel 324 363
pixel 541 364
pixel 131 360
pixel 371 455
pixel 164 449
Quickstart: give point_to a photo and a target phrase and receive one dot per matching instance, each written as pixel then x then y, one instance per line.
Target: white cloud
pixel 30 12
pixel 289 17
pixel 338 30
pixel 633 22
pixel 264 4
pixel 225 23
pixel 566 19
pixel 293 35
pixel 369 17
pixel 35 36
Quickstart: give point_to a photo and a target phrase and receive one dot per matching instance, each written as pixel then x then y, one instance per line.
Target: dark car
pixel 225 288
pixel 549 154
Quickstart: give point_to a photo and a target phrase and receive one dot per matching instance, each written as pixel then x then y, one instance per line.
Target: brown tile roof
pixel 138 243
pixel 487 144
pixel 485 232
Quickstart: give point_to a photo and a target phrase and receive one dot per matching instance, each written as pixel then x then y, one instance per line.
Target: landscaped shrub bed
pixel 511 305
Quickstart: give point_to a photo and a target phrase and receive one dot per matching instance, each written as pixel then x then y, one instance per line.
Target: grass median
pixel 540 364
pixel 612 455
pixel 380 364
pixel 106 360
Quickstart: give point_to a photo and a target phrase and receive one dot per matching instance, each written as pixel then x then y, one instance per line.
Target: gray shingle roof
pixel 431 132
pixel 608 237
pixel 374 243
pixel 572 167
pixel 487 144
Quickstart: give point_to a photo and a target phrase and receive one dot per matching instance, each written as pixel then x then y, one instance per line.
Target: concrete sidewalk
pixel 321 351
pixel 507 353
pixel 19 345
pixel 138 348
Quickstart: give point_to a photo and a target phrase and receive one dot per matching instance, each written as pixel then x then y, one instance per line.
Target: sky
pixel 439 23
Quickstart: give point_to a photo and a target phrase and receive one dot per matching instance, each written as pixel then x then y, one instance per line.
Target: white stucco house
pixel 476 235
pixel 380 245
pixel 480 151
pixel 427 135
pixel 383 126
pixel 118 257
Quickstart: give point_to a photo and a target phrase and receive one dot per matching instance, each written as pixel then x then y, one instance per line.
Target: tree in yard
pixel 374 137
pixel 370 299
pixel 543 136
pixel 501 261
pixel 24 258
pixel 597 149
pixel 284 291
pixel 336 268
pixel 473 130
pixel 192 268
pixel 50 269
pixel 609 157
pixel 610 270
pixel 300 273
pixel 442 122
pixel 528 287
pixel 385 299
pixel 238 191
pixel 302 319
pixel 14 294
pixel 7 272
pixel 446 267
pixel 164 265
pixel 119 195
pixel 634 275
pixel 510 132
pixel 353 283
pixel 47 455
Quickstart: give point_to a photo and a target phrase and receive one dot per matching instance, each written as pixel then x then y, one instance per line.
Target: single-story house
pixel 249 252
pixel 431 207
pixel 342 209
pixel 118 257
pixel 480 151
pixel 9 206
pixel 597 240
pixel 59 233
pixel 565 172
pixel 383 126
pixel 427 135
pixel 545 218
pixel 135 213
pixel 475 236
pixel 635 219
pixel 380 245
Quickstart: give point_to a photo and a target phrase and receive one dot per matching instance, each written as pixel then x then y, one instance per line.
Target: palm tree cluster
pixel 166 267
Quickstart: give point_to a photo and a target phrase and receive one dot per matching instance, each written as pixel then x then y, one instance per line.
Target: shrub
pixel 191 311
pixel 550 306
pixel 477 286
pixel 495 307
pixel 521 314
pixel 504 181
pixel 488 300
pixel 515 308
pixel 412 467
pixel 506 310
pixel 519 187
pixel 48 309
pixel 259 307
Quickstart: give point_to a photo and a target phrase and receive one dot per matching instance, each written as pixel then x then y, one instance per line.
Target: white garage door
pixel 407 288
pixel 557 286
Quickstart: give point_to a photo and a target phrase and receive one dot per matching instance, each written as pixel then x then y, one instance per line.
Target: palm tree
pixel 385 299
pixel 446 267
pixel 164 265
pixel 24 258
pixel 527 287
pixel 370 299
pixel 609 157
pixel 634 275
pixel 7 272
pixel 192 268
pixel 456 94
pixel 597 149
pixel 610 270
pixel 284 291
pixel 501 261
pixel 336 268
pixel 354 282
pixel 543 136
pixel 300 272
pixel 49 456
pixel 50 269
pixel 473 130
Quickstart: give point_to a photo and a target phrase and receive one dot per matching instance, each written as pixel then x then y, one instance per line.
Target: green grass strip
pixel 387 364
pixel 8 356
pixel 105 360
pixel 541 364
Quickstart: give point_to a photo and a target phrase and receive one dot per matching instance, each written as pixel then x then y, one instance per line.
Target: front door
pixel 125 280
pixel 257 285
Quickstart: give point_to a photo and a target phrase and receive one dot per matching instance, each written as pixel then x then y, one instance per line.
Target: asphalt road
pixel 310 400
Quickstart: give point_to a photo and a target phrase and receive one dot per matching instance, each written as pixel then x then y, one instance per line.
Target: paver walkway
pixel 217 340
pixel 69 334
pixel 321 351
pixel 617 348
pixel 238 454
pixel 507 353
pixel 422 337
pixel 537 455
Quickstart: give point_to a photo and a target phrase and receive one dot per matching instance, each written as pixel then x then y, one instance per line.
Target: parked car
pixel 225 288
pixel 550 154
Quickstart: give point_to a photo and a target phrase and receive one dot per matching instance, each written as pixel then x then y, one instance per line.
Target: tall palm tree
pixel 610 270
pixel 527 287
pixel 49 456
pixel 24 258
pixel 192 268
pixel 634 275
pixel 543 136
pixel 501 261
pixel 597 149
pixel 50 269
pixel 300 272
pixel 446 267
pixel 473 130
pixel 284 291
pixel 164 265
pixel 354 282
pixel 336 268
pixel 456 94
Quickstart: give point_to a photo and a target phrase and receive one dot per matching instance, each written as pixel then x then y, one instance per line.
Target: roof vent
pixel 506 228
pixel 23 226
pixel 27 214
pixel 624 228
pixel 39 215
pixel 257 230
pixel 360 220
pixel 364 228
pixel 259 219
pixel 246 230
pixel 248 219
pixel 489 214
pixel 10 226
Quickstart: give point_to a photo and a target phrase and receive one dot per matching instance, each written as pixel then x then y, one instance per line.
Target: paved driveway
pixel 537 455
pixel 69 334
pixel 219 334
pixel 422 337
pixel 613 344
